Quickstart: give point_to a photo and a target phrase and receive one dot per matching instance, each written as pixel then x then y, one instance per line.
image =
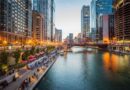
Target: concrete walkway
pixel 24 74
pixel 15 85
pixel 40 76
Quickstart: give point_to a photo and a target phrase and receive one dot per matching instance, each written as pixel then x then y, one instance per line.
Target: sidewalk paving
pixel 25 73
pixel 41 75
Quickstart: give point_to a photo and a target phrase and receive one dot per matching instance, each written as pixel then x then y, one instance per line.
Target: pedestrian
pixel 29 80
pixel 23 86
pixel 26 83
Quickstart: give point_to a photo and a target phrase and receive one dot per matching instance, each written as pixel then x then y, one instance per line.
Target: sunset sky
pixel 68 15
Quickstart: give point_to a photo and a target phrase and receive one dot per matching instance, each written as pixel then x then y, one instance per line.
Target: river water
pixel 88 69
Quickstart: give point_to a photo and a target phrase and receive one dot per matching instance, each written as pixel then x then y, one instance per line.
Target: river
pixel 88 69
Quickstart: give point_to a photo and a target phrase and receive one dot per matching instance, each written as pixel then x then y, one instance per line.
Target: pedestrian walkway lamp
pixel 4 43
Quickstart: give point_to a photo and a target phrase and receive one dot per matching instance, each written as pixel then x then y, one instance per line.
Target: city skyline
pixel 64 44
pixel 69 22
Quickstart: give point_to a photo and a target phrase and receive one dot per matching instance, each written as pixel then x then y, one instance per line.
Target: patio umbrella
pixel 31 56
pixel 24 61
pixel 32 59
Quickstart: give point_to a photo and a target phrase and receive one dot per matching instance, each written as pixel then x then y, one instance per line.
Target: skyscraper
pixel 37 26
pixel 47 8
pixel 99 7
pixel 41 7
pixel 58 35
pixel 52 20
pixel 85 21
pixel 93 19
pixel 70 39
pixel 15 21
pixel 106 28
pixel 122 17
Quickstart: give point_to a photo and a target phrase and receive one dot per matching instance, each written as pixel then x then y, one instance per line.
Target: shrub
pixel 4 61
pixel 17 54
pixel 32 51
pixel 37 50
pixel 4 57
pixel 25 55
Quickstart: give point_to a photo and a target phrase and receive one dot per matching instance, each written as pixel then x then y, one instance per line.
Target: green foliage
pixel 32 51
pixel 19 65
pixel 37 50
pixel 25 55
pixel 50 48
pixel 4 57
pixel 17 54
pixel 4 61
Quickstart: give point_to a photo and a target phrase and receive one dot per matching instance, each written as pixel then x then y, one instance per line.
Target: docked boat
pixel 68 50
pixel 61 53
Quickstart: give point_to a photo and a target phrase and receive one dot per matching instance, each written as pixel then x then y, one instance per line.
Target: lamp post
pixel 4 43
pixel 123 44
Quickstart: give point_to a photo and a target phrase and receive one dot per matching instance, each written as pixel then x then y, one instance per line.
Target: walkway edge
pixel 48 68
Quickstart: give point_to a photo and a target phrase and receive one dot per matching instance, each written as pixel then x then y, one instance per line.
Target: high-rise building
pixel 99 7
pixel 93 19
pixel 58 35
pixel 37 26
pixel 77 39
pixel 38 5
pixel 85 21
pixel 41 7
pixel 121 19
pixel 15 21
pixel 52 20
pixel 47 8
pixel 106 28
pixel 50 5
pixel 70 38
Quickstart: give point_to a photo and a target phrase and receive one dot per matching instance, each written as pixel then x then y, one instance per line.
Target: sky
pixel 68 15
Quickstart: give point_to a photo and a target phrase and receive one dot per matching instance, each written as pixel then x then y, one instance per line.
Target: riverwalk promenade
pixel 34 75
pixel 41 75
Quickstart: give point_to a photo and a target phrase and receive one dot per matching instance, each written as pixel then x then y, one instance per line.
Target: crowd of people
pixel 38 65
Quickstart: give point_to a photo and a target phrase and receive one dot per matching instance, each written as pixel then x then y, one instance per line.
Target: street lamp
pixel 4 43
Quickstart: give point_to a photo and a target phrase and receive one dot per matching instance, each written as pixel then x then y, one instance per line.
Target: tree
pixel 4 57
pixel 50 48
pixel 25 55
pixel 4 61
pixel 17 54
pixel 32 51
pixel 37 50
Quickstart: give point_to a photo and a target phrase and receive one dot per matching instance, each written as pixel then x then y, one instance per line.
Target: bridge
pixel 92 45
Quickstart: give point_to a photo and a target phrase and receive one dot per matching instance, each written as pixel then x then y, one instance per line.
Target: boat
pixel 61 53
pixel 67 50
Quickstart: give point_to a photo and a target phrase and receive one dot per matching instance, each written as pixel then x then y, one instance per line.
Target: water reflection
pixel 114 62
pixel 84 50
pixel 88 69
pixel 65 55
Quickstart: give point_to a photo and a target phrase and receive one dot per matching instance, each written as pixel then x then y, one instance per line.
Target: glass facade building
pixel 106 28
pixel 50 7
pixel 47 8
pixel 37 26
pixel 99 7
pixel 52 20
pixel 41 7
pixel 58 35
pixel 85 21
pixel 15 20
pixel 93 19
